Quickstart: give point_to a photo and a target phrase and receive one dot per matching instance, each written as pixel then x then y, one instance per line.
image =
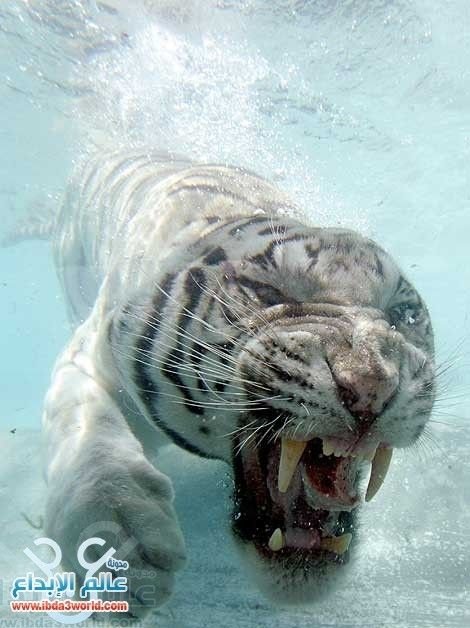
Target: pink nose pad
pixel 364 394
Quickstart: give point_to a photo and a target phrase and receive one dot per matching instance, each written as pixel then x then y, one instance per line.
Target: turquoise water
pixel 361 111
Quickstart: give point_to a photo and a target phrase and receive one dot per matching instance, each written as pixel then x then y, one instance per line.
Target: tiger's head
pixel 337 366
pixel 303 357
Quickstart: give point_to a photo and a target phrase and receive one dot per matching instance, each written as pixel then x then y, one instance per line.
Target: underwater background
pixel 361 112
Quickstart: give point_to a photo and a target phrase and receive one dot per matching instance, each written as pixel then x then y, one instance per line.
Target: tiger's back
pixel 124 214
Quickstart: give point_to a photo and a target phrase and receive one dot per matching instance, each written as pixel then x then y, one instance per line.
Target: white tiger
pixel 296 354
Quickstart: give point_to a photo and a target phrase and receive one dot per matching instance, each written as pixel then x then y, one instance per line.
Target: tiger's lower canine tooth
pixel 380 465
pixel 291 451
pixel 328 447
pixel 337 544
pixel 276 542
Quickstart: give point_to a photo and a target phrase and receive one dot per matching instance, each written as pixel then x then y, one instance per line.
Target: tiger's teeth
pixel 337 544
pixel 370 455
pixel 291 451
pixel 328 447
pixel 276 542
pixel 380 465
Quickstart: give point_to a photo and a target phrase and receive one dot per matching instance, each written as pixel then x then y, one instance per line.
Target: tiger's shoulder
pixel 126 211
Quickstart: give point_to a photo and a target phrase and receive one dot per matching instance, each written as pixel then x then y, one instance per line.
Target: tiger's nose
pixel 365 394
pixel 367 372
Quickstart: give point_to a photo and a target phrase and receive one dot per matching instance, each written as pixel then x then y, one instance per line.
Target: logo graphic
pixel 57 586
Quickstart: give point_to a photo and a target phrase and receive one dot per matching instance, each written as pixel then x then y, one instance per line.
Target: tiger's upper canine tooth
pixel 337 544
pixel 370 455
pixel 380 465
pixel 276 542
pixel 291 451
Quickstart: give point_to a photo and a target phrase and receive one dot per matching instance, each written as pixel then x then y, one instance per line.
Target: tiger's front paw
pixel 129 505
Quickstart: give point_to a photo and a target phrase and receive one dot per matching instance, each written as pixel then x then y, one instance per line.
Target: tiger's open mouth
pixel 296 499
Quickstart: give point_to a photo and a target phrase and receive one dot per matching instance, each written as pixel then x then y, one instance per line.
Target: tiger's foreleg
pixel 100 482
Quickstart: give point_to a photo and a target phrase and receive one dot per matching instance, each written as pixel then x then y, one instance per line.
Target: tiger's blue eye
pixel 404 314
